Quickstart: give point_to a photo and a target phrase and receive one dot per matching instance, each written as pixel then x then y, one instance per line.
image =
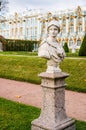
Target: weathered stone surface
pixel 67 124
pixel 61 127
pixel 53 114
pixel 1 47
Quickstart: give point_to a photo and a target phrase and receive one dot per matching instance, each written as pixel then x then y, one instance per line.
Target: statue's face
pixel 53 31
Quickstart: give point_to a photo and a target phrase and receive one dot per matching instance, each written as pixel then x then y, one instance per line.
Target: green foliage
pixel 82 51
pixel 23 53
pixel 68 54
pixel 80 125
pixel 27 68
pixel 16 116
pixel 22 68
pixel 66 47
pixel 19 45
pixel 77 70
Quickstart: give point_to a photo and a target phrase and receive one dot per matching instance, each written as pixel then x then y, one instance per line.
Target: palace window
pixel 35 31
pixel 64 21
pixel 80 19
pixel 12 31
pixel 21 29
pixel 80 28
pixel 71 20
pixel 32 21
pixel 78 42
pixel 36 20
pixel 16 31
pixel 29 31
pixel 64 29
pixel 71 29
pixel 63 42
pixel 70 43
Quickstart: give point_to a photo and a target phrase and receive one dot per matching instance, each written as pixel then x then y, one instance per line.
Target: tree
pixel 82 50
pixel 3 7
pixel 66 47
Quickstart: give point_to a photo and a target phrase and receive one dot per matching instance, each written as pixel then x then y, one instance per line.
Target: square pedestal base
pixel 65 125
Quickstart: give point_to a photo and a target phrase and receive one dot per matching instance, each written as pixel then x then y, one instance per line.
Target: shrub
pixel 19 45
pixel 66 47
pixel 82 50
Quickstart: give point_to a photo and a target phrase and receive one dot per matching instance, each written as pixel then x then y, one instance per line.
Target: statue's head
pixel 55 23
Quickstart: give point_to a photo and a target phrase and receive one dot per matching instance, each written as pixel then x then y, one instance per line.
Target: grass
pixel 16 116
pixel 25 53
pixel 21 68
pixel 77 70
pixel 28 68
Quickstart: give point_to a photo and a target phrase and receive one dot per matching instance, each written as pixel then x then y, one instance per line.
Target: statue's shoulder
pixel 43 44
pixel 43 50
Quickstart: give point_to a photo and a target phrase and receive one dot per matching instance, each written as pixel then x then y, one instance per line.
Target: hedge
pixel 19 45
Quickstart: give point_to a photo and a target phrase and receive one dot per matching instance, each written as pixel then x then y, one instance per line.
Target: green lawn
pixel 27 69
pixel 16 116
pixel 25 53
pixel 21 68
pixel 77 70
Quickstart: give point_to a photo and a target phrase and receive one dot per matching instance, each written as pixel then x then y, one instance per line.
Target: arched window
pixel 64 29
pixel 70 43
pixel 63 42
pixel 21 29
pixel 78 42
pixel 71 28
pixel 80 28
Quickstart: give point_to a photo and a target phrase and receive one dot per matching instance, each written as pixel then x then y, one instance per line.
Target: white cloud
pixel 21 5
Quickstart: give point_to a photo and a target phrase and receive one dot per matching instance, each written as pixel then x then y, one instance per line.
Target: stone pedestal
pixel 53 115
pixel 1 47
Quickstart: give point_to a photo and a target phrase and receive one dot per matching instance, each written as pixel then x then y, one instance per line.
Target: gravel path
pixel 31 94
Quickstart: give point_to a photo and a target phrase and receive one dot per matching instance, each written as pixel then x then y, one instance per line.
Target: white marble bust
pixel 50 49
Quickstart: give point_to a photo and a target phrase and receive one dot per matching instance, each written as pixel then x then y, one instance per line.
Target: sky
pixel 48 5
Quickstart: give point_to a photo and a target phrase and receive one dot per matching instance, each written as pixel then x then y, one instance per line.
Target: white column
pixel 83 24
pixel 74 24
pixel 67 25
pixel 26 26
pixel 46 29
pixel 23 30
pixel 38 30
pixel 10 27
pixel 13 27
pixel 18 30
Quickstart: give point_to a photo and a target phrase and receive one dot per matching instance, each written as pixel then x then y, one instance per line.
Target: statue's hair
pixel 55 26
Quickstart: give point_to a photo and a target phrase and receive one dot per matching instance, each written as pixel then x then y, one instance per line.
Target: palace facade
pixel 32 24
